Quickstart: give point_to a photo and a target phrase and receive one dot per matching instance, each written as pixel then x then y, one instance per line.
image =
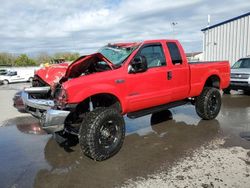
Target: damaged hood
pixel 54 73
pixel 81 64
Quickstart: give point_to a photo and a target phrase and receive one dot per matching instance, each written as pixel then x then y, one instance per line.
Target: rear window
pixel 174 53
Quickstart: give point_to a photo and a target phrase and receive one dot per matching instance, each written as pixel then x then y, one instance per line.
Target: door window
pixel 14 73
pixel 154 55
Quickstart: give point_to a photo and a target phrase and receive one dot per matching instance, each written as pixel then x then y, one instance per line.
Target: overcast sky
pixel 32 26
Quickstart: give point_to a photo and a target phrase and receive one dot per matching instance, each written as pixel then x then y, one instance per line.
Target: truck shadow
pixel 163 141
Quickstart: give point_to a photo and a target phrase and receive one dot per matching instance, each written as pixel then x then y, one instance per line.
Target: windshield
pixel 242 63
pixel 116 54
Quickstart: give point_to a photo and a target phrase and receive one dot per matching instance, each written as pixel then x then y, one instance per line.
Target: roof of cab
pixel 132 44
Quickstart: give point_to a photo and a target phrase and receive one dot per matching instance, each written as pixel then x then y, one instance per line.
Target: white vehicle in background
pixel 14 76
pixel 3 71
pixel 240 76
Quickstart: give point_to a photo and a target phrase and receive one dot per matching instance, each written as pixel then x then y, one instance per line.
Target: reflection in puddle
pixel 144 125
pixel 33 128
pixel 235 118
pixel 245 135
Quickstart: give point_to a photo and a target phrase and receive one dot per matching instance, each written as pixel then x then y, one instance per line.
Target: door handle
pixel 169 75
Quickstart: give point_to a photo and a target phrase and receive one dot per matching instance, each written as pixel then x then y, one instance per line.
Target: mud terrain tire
pixel 208 104
pixel 102 133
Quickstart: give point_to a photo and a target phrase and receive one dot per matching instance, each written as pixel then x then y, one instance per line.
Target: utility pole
pixel 173 24
pixel 207 41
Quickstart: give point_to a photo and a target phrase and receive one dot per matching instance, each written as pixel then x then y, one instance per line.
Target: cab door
pixel 180 72
pixel 149 88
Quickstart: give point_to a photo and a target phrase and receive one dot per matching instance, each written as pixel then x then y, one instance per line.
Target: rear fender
pixel 196 89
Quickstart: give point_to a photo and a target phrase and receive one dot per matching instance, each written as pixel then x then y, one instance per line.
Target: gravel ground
pixel 208 167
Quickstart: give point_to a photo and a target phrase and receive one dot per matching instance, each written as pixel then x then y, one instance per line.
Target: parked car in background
pixel 53 62
pixel 3 71
pixel 240 76
pixel 13 76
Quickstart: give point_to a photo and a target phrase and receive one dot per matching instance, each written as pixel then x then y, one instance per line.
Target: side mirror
pixel 139 64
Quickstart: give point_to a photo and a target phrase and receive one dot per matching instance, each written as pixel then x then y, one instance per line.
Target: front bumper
pixel 51 120
pixel 239 84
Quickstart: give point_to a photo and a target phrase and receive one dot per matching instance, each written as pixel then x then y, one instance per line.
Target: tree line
pixel 7 59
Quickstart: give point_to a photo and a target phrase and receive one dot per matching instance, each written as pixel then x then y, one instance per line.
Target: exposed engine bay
pixel 87 65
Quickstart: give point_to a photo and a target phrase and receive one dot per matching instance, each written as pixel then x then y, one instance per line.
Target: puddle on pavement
pixel 235 120
pixel 152 143
pixel 22 154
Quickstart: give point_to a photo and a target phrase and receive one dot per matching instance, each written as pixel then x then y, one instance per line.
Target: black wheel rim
pixel 213 103
pixel 109 135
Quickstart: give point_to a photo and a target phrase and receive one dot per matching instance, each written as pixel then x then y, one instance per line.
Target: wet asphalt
pixel 31 158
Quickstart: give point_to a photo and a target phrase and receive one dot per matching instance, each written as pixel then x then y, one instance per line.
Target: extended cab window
pixel 174 53
pixel 154 55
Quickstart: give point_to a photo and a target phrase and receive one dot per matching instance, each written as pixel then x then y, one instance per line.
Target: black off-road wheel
pixel 102 133
pixel 208 104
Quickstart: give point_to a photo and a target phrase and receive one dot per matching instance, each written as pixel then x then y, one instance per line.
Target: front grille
pixel 240 76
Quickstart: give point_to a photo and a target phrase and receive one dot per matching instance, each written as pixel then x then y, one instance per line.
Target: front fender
pixel 84 93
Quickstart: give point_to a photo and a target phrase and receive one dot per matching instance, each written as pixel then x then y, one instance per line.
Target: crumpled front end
pixel 51 120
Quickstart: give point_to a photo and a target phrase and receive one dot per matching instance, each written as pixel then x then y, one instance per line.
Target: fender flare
pixel 98 89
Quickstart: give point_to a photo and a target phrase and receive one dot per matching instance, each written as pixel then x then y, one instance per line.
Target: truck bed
pixel 201 70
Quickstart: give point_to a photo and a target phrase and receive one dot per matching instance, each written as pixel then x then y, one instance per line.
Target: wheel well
pixel 213 81
pixel 99 100
pixel 92 102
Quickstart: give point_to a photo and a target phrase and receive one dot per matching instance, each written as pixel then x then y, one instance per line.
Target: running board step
pixel 155 109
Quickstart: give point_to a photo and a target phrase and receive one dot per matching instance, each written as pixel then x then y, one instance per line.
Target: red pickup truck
pixel 133 79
